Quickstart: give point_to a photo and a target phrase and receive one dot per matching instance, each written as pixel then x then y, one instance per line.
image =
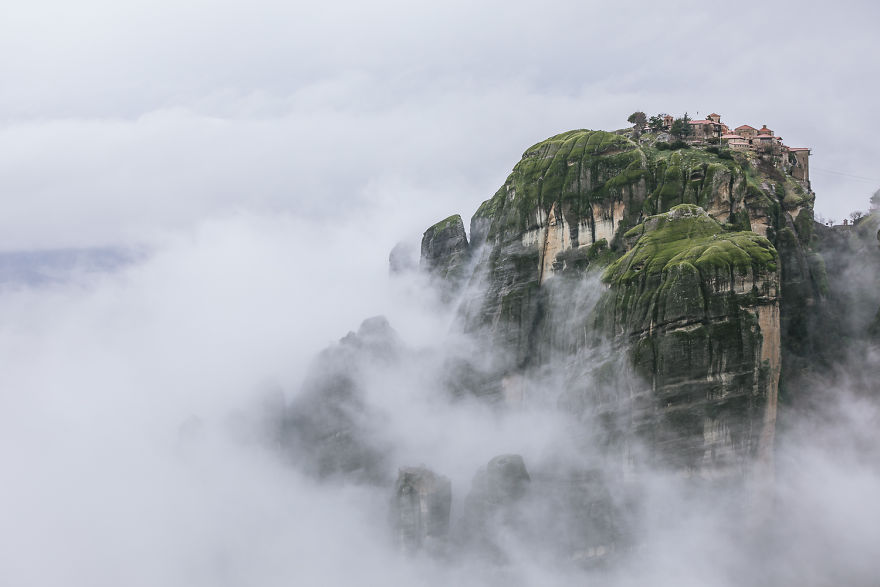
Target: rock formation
pixel 330 429
pixel 492 506
pixel 695 294
pixel 445 249
pixel 667 302
pixel 698 307
pixel 420 510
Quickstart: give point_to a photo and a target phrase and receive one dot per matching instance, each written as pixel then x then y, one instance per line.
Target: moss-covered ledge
pixel 684 266
pixel 686 235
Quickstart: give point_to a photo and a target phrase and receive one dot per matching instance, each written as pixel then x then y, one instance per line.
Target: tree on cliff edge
pixel 638 120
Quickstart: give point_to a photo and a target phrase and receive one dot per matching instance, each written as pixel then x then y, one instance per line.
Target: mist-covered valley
pixel 151 438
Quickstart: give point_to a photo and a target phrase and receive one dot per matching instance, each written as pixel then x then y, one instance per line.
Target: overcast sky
pixel 121 122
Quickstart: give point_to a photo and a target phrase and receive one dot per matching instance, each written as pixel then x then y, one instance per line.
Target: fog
pixel 139 448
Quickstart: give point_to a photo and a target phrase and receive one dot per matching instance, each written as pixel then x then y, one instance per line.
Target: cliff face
pixel 561 206
pixel 705 248
pixel 840 326
pixel 445 249
pixel 330 430
pixel 697 307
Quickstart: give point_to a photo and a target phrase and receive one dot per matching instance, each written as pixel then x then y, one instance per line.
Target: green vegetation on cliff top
pixel 446 223
pixel 581 169
pixel 686 235
pixel 574 168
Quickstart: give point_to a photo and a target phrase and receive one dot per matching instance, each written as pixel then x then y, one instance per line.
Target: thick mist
pixel 139 430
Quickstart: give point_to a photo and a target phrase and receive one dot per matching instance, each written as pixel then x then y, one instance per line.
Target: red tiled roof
pixel 745 126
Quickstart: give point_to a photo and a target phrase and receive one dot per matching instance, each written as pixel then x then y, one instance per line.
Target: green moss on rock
pixel 576 169
pixel 688 236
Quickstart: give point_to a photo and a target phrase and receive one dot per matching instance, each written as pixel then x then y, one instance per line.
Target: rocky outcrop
pixel 491 508
pixel 697 295
pixel 420 510
pixel 833 319
pixel 330 429
pixel 445 250
pixel 562 205
pixel 698 307
pixel 566 514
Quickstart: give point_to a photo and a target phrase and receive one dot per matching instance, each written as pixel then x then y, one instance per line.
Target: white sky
pixel 124 121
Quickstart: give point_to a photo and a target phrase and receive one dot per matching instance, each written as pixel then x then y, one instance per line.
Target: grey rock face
pixel 582 516
pixel 329 429
pixel 420 510
pixel 568 515
pixel 445 249
pixel 491 509
pixel 507 479
pixel 702 326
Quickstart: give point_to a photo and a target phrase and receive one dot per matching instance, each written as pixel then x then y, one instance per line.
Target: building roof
pixel 732 137
pixel 798 148
pixel 765 131
pixel 745 126
pixel 702 122
pixel 715 114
